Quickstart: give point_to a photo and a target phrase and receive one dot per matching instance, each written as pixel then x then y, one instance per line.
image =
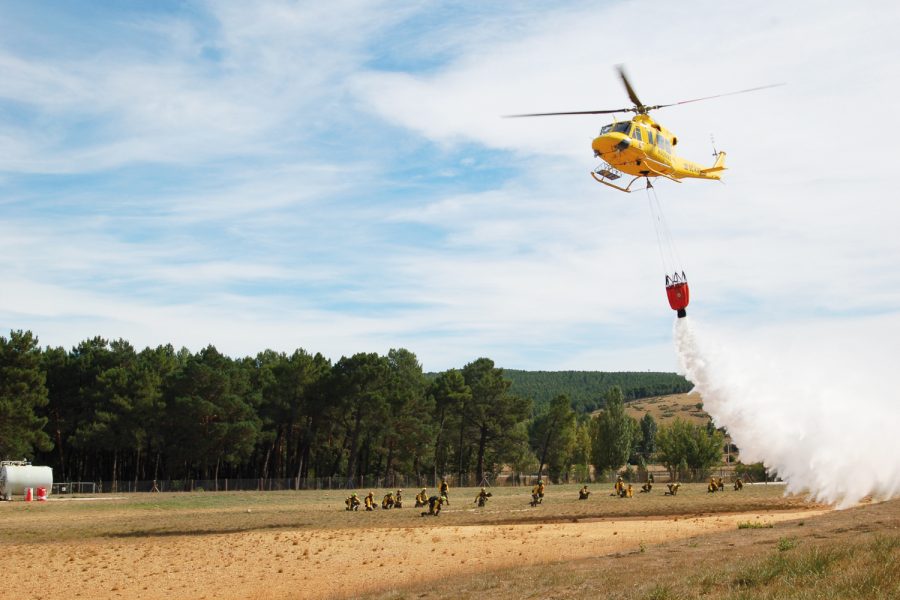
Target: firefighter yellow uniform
pixel 738 484
pixel 445 491
pixel 583 493
pixel 388 501
pixel 481 498
pixel 421 498
pixel 370 501
pixel 398 499
pixel 537 493
pixel 352 502
pixel 434 506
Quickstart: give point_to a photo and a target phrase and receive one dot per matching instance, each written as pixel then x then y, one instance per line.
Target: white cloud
pixel 795 222
pixel 274 212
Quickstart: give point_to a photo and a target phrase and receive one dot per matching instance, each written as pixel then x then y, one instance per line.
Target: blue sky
pixel 336 176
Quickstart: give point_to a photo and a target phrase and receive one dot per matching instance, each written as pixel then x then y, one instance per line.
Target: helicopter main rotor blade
pixel 762 87
pixel 638 106
pixel 581 112
pixel 631 93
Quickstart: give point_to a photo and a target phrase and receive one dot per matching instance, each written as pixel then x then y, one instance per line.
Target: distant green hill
pixel 587 388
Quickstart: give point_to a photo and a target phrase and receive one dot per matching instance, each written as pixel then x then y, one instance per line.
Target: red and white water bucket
pixel 42 494
pixel 29 494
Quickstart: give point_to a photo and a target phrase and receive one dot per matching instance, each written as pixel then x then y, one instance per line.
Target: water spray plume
pixel 816 410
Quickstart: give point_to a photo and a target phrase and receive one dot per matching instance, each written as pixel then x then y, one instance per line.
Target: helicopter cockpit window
pixel 616 128
pixel 637 134
pixel 622 127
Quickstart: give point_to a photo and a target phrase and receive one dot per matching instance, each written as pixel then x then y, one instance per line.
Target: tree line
pixel 105 411
pixel 587 389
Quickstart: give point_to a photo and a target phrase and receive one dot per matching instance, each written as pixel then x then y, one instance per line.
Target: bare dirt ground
pixel 302 545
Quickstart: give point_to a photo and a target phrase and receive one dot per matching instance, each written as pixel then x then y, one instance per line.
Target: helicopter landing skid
pixel 604 176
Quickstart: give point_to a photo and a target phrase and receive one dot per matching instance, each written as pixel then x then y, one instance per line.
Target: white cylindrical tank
pixel 15 478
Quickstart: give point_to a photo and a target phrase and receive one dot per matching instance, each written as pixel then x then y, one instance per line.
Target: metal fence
pixel 358 483
pixel 74 487
pixel 264 484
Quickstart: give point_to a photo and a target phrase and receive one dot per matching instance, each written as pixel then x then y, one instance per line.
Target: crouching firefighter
pixel 537 493
pixel 434 506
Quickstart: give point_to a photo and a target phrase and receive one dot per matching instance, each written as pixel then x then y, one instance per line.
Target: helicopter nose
pixel 610 143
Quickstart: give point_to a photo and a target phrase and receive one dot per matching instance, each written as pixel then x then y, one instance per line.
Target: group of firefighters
pixel 436 502
pixel 391 500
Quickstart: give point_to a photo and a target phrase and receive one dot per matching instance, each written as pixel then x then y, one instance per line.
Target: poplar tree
pixel 683 446
pixel 612 435
pixel 648 435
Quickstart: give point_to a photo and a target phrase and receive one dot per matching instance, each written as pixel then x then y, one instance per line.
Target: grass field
pixel 304 545
pixel 838 555
pixel 227 512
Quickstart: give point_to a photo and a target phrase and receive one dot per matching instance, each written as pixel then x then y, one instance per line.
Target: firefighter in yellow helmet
pixel 445 491
pixel 422 498
pixel 398 499
pixel 352 502
pixel 738 484
pixel 537 493
pixel 388 501
pixel 370 501
pixel 584 493
pixel 482 497
pixel 434 506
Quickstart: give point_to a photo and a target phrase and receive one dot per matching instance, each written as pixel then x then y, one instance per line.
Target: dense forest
pixel 106 411
pixel 587 389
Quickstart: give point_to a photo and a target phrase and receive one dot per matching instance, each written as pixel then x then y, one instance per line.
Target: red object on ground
pixel 29 494
pixel 42 494
pixel 679 295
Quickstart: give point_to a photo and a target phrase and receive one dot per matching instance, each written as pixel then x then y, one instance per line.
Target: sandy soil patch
pixel 326 563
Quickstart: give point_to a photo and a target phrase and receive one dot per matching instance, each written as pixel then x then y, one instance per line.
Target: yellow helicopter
pixel 642 147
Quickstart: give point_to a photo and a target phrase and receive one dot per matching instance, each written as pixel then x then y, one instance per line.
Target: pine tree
pixel 22 394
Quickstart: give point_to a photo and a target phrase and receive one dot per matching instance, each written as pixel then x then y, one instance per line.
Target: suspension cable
pixel 664 239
